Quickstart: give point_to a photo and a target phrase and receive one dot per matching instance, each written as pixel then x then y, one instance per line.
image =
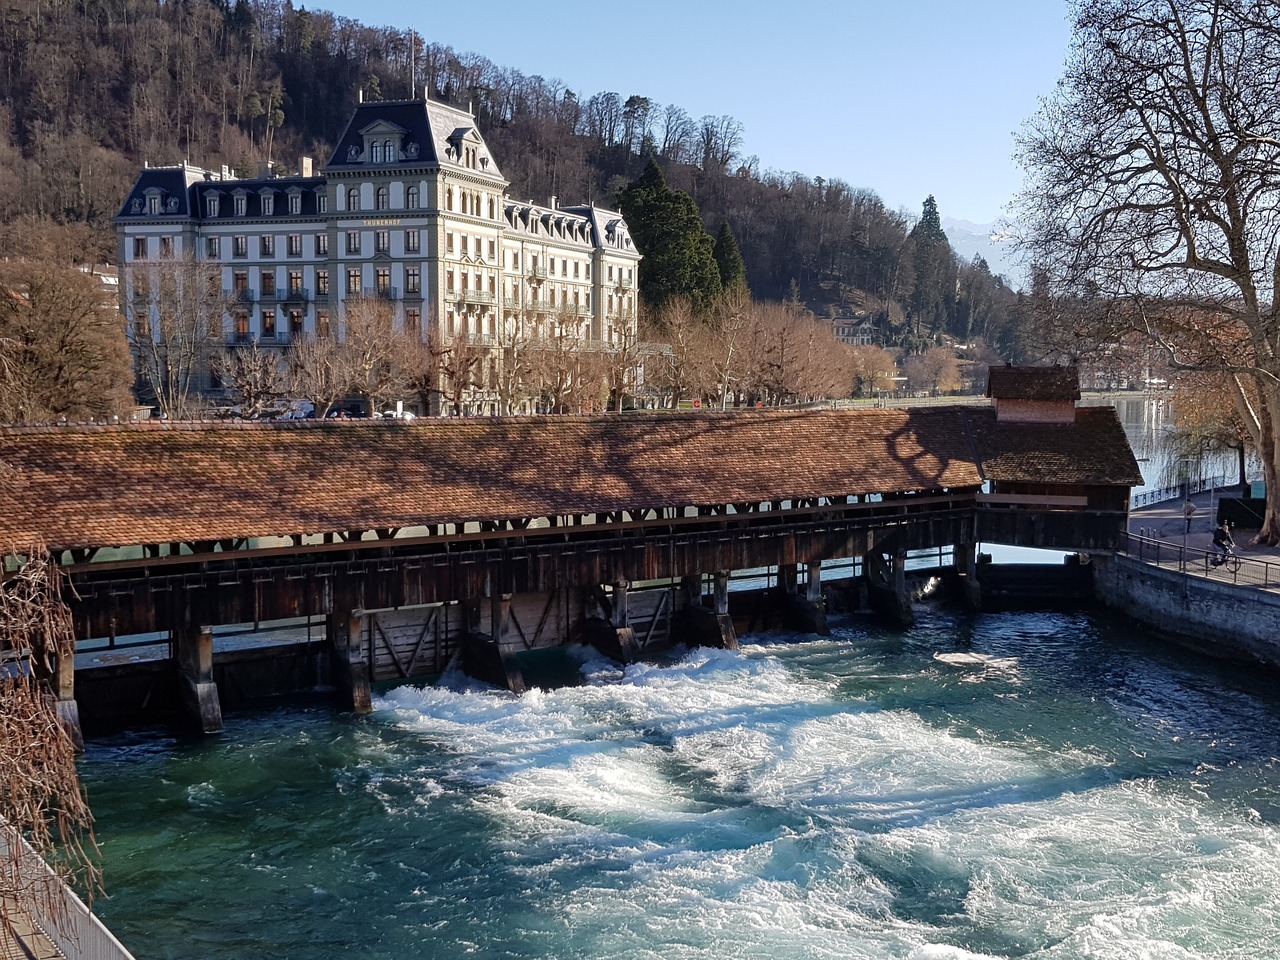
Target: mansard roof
pixel 610 228
pixel 190 187
pixel 173 184
pixel 1033 383
pixel 429 134
pixel 85 486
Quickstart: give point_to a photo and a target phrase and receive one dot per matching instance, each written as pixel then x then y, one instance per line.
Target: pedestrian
pixel 1188 512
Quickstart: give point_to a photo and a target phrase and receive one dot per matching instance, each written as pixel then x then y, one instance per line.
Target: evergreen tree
pixel 679 258
pixel 933 298
pixel 733 271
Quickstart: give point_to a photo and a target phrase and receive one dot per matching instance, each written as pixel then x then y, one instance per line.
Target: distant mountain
pixel 996 246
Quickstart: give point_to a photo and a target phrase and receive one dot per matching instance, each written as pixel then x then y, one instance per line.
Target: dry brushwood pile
pixel 41 800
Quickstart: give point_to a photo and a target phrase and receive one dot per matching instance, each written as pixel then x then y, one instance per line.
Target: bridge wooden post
pixel 199 692
pixel 721 594
pixel 702 626
pixel 802 611
pixel 483 655
pixel 887 586
pixel 350 670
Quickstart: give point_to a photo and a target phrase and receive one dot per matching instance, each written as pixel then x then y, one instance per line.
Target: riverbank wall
pixel 1222 620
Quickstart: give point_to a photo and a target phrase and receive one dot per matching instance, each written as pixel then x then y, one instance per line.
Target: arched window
pixel 389 150
pixel 375 151
pixel 353 198
pixel 448 199
pixel 411 198
pixel 382 199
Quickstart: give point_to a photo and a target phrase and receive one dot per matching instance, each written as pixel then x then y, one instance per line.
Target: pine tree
pixel 733 271
pixel 666 226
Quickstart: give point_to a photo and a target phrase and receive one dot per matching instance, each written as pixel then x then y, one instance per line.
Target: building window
pixel 295 203
pixel 213 248
pixel 375 151
pixel 389 151
pixel 382 241
pixel 576 265
pixel 353 241
pixel 295 283
pixel 295 323
pixel 268 204
pixel 448 242
pixel 382 199
pixel 240 282
pixel 322 244
pixel 476 248
pixel 322 283
pixel 240 323
pixel 493 250
pixel 412 241
pixel 353 281
pixel 211 206
pixel 268 324
pixel 239 245
pixel 267 245
pixel 322 203
pixel 413 279
pixel 353 198
pixel 322 323
pixel 448 280
pixel 242 203
pixel 413 321
pixel 153 205
pixel 267 283
pixel 382 278
pixel 411 198
pixel 139 248
pixel 295 244
pixel 166 246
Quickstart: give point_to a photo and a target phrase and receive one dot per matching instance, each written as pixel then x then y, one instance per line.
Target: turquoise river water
pixel 1087 794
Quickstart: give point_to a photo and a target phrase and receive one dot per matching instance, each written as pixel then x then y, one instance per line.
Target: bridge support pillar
pixel 614 638
pixel 198 691
pixel 63 682
pixel 887 587
pixel 966 563
pixel 350 670
pixel 485 656
pixel 701 626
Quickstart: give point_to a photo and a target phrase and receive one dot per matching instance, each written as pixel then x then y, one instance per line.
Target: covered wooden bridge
pixel 483 537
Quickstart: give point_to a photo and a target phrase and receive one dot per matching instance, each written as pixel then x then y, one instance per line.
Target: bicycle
pixel 1230 560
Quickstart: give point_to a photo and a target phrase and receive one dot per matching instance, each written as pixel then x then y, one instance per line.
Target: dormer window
pixel 375 151
pixel 382 141
pixel 241 201
pixel 322 201
pixel 295 202
pixel 211 205
pixel 268 202
pixel 389 149
pixel 153 203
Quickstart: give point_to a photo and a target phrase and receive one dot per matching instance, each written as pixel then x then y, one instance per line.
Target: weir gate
pixel 416 542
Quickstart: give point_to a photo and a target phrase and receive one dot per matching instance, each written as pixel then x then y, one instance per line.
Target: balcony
pixel 537 273
pixel 478 297
pixel 241 296
pixel 384 293
pixel 624 284
pixel 293 295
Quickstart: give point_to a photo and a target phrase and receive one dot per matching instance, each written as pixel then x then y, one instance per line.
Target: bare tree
pixel 682 368
pixel 319 372
pixel 41 800
pixel 515 336
pixel 1153 199
pixel 460 364
pixel 62 350
pixel 255 376
pixel 178 307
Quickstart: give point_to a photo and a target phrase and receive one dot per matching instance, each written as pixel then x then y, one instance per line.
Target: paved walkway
pixel 1163 521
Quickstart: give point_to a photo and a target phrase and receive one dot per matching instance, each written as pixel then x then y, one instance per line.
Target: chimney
pixel 226 172
pixel 264 169
pixel 305 167
pixel 360 95
pixel 552 203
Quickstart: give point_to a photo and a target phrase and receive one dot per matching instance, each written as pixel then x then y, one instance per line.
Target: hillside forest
pixel 91 90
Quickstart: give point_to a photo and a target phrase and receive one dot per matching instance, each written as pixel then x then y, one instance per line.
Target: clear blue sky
pixel 906 97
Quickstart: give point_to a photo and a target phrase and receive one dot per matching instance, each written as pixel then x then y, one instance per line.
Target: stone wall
pixel 1219 619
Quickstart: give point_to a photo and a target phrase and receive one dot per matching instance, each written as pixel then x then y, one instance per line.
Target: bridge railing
pixel 1199 485
pixel 1193 561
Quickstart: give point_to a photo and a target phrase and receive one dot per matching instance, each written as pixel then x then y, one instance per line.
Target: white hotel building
pixel 411 207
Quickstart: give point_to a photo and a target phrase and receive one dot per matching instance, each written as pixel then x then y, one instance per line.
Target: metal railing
pixel 1195 562
pixel 1199 485
pixel 77 933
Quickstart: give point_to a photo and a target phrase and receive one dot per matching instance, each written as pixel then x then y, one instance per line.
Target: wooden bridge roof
pixel 86 486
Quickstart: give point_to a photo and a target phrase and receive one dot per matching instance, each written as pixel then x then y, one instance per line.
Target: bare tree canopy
pixel 1153 195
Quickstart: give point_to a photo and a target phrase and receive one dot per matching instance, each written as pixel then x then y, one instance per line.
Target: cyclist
pixel 1222 544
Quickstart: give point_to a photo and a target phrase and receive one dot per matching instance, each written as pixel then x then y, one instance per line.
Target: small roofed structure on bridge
pixel 1042 449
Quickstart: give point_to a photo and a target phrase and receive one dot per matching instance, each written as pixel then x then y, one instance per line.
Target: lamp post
pixel 1184 463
